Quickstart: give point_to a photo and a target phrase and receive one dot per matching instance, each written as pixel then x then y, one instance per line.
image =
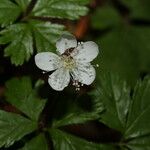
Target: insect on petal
pixel 65 42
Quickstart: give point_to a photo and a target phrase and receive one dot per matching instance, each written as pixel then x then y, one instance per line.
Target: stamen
pixel 44 72
pixel 97 65
pixel 77 89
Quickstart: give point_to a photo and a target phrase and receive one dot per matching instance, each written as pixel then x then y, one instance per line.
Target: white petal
pixel 86 52
pixel 47 61
pixel 66 42
pixel 59 79
pixel 84 73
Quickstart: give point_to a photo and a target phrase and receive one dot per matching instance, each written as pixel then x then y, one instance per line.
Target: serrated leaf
pixel 23 4
pixel 122 55
pixel 20 48
pixel 138 123
pixel 60 9
pixel 105 17
pixel 139 9
pixel 140 143
pixel 46 35
pixel 13 127
pixel 9 12
pixel 75 118
pixel 19 93
pixel 37 143
pixel 114 94
pixel 64 141
pixel 132 113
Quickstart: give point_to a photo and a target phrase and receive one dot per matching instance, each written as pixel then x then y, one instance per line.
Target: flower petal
pixel 59 79
pixel 66 42
pixel 86 52
pixel 47 61
pixel 84 73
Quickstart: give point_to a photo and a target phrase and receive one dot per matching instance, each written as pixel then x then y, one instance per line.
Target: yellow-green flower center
pixel 68 62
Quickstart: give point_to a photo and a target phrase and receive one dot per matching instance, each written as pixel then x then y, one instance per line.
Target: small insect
pixel 69 51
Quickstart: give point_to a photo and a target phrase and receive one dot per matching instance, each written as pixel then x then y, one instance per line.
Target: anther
pixel 43 72
pixel 97 65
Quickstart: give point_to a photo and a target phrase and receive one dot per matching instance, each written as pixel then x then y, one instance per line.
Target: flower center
pixel 68 62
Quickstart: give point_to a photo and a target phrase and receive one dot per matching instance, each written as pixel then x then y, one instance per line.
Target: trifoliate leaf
pixel 13 127
pixel 122 55
pixel 70 9
pixel 37 143
pixel 129 115
pixel 9 12
pixel 64 141
pixel 105 17
pixel 46 35
pixel 20 48
pixel 138 8
pixel 21 94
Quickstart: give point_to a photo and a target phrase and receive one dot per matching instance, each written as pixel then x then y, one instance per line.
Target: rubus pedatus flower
pixel 72 62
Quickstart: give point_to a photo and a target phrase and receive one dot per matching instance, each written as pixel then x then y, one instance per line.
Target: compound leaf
pixel 36 143
pixel 21 94
pixel 138 123
pixel 46 35
pixel 119 53
pixel 64 141
pixel 125 113
pixel 114 94
pixel 9 12
pixel 21 42
pixel 13 127
pixel 70 9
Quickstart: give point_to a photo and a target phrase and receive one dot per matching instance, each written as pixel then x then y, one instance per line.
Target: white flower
pixel 72 62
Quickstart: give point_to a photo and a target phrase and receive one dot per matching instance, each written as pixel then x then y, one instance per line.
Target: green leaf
pixel 64 141
pixel 19 38
pixel 140 143
pixel 122 55
pixel 105 17
pixel 20 48
pixel 138 123
pixel 70 9
pixel 13 127
pixel 75 118
pixel 19 93
pixel 46 35
pixel 9 12
pixel 37 143
pixel 23 4
pixel 114 94
pixel 139 9
pixel 127 114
